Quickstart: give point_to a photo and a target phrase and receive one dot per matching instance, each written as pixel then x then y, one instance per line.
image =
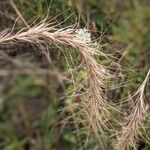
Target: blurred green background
pixel 30 116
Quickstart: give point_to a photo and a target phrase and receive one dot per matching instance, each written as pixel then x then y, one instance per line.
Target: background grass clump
pixel 33 99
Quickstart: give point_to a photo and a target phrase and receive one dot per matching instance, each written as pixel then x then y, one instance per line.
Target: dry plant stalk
pixel 94 100
pixel 129 135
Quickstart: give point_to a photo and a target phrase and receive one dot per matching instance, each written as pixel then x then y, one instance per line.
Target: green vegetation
pixel 39 106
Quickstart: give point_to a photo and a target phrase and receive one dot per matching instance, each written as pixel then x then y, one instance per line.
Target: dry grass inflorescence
pixel 93 100
pixel 93 106
pixel 129 135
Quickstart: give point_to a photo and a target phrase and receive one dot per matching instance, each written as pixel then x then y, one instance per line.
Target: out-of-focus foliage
pixel 29 106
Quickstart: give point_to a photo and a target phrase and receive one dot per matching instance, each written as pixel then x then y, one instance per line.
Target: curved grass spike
pixel 131 127
pixel 94 101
